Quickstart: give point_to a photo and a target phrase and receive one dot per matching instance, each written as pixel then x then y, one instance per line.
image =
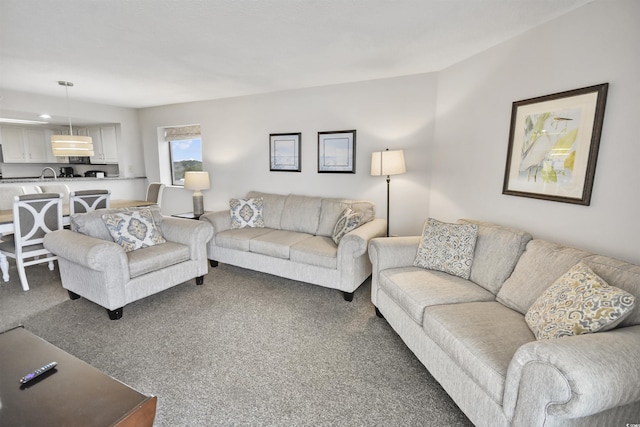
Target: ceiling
pixel 141 53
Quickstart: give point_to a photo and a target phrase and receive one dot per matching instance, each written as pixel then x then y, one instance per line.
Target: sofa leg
pixel 348 296
pixel 213 263
pixel 379 314
pixel 199 280
pixel 115 314
pixel 73 295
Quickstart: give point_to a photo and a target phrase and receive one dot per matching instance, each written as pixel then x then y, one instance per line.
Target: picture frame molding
pixel 345 164
pixel 295 140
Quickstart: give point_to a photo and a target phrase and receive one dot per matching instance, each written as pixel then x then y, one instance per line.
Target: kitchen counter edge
pixel 65 179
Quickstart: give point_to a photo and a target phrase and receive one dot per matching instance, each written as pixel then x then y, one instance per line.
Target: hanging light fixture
pixel 71 145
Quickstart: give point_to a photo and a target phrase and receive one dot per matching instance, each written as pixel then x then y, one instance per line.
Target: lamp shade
pixel 387 163
pixel 196 181
pixel 72 145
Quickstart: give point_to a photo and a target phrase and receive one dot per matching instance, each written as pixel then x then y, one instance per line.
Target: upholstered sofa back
pixel 91 223
pixel 305 214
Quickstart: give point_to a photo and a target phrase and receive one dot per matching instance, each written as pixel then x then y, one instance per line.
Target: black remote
pixel 38 372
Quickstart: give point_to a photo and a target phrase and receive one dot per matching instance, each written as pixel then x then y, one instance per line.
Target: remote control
pixel 38 372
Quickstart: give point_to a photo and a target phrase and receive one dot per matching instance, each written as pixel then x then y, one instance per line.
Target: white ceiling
pixel 141 53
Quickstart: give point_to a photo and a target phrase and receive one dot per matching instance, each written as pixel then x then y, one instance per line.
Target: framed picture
pixel 284 149
pixel 337 151
pixel 553 145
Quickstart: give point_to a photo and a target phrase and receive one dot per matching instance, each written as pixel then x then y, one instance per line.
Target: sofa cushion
pixel 301 214
pixel 447 247
pixel 349 220
pixel 91 223
pixel 541 264
pixel 579 302
pixel 276 243
pixel 239 239
pixel 317 250
pixel 496 253
pixel 246 212
pixel 273 204
pixel 620 274
pixel 133 230
pixel 481 337
pixel 414 289
pixel 156 257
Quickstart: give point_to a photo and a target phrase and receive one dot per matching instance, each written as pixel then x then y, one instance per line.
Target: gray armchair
pixel 93 266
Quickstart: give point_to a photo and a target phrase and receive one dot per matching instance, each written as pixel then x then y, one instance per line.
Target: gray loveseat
pixel 93 266
pixel 473 338
pixel 295 241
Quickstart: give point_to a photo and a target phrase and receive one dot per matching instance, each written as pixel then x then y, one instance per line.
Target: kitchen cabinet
pixel 104 144
pixel 23 145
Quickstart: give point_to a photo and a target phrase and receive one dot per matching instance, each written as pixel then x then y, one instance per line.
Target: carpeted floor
pixel 243 349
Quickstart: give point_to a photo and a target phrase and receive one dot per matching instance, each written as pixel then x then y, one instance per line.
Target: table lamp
pixel 387 163
pixel 197 181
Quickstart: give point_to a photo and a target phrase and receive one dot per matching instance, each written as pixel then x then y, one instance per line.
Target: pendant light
pixel 71 145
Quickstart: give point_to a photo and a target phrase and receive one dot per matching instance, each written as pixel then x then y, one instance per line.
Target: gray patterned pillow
pixel 579 302
pixel 447 247
pixel 348 220
pixel 133 230
pixel 247 212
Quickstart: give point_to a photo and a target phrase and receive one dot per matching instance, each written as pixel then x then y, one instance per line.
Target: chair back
pixel 57 188
pixel 35 215
pixel 154 193
pixel 7 197
pixel 89 200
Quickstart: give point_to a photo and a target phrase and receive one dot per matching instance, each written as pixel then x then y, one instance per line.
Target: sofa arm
pixel 194 234
pixel 390 252
pixel 90 252
pixel 355 243
pixel 220 220
pixel 573 377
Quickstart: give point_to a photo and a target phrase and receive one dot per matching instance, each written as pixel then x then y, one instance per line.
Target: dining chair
pixel 89 200
pixel 7 196
pixel 30 189
pixel 154 193
pixel 57 188
pixel 34 215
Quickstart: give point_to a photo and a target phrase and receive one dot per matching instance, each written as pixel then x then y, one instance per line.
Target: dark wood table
pixel 72 394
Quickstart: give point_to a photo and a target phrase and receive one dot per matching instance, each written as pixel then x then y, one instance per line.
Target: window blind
pixel 182 132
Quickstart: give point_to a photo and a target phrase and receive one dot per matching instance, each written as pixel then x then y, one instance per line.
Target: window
pixel 185 151
pixel 186 155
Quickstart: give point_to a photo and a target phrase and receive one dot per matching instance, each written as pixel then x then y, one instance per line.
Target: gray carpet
pixel 246 349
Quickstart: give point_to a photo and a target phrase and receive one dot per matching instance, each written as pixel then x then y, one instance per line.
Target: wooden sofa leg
pixel 379 314
pixel 115 314
pixel 73 295
pixel 199 280
pixel 213 263
pixel 348 296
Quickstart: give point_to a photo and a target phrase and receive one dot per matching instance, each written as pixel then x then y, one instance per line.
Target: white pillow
pixel 447 247
pixel 348 220
pixel 133 229
pixel 247 212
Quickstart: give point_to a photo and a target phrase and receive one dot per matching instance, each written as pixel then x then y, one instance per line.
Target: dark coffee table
pixel 72 394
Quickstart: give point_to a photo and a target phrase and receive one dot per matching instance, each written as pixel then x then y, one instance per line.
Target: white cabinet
pixel 104 144
pixel 23 145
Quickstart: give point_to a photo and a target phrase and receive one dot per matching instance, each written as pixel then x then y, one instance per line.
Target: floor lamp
pixel 387 163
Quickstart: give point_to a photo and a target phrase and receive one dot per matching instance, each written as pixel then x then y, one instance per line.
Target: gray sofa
pixel 93 266
pixel 473 338
pixel 294 241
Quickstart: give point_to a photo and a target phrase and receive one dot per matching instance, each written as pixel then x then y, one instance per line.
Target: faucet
pixel 51 169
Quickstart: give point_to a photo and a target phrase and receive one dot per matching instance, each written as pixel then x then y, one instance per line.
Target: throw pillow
pixel 447 247
pixel 246 212
pixel 348 220
pixel 133 229
pixel 579 302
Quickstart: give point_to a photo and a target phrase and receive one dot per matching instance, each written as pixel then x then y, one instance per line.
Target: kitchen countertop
pixel 63 179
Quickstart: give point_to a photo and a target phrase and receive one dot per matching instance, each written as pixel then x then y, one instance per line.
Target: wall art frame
pixel 284 152
pixel 553 145
pixel 337 151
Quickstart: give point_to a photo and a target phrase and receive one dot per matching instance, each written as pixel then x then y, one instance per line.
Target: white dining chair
pixel 7 196
pixel 34 215
pixel 88 200
pixel 154 193
pixel 57 188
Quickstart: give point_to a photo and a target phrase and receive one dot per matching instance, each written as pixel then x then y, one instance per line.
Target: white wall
pixel 391 113
pixel 594 44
